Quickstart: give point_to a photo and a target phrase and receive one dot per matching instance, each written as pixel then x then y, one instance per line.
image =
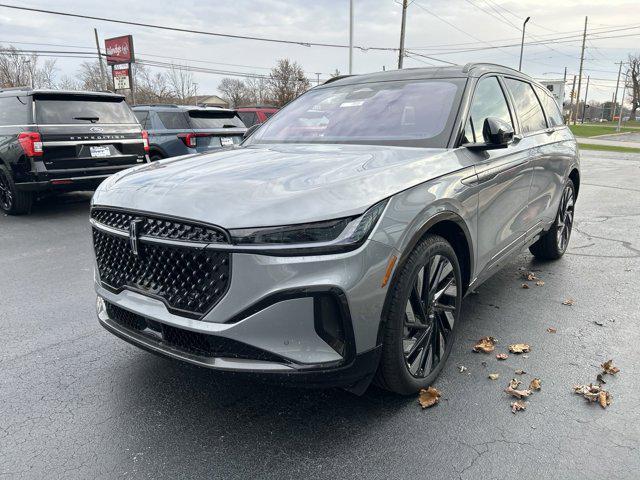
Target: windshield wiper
pixel 91 119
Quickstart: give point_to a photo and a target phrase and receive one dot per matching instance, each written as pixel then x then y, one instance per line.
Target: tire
pixel 12 200
pixel 401 366
pixel 154 157
pixel 553 243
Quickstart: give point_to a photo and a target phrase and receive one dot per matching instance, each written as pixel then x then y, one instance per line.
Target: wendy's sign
pixel 119 50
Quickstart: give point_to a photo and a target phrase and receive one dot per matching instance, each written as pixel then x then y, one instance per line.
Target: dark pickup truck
pixel 52 140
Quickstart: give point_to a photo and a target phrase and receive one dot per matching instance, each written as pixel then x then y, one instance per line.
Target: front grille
pixel 159 227
pixel 189 280
pixel 187 341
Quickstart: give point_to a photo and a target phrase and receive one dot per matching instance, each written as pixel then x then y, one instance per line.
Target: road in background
pixel 77 402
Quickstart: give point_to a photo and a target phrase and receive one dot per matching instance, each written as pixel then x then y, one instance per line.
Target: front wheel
pixel 552 244
pixel 421 320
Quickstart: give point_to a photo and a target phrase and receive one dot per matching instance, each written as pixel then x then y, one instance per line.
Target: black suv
pixel 53 140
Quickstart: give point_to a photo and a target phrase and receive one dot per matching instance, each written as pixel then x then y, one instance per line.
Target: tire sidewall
pixel 429 247
pixel 5 173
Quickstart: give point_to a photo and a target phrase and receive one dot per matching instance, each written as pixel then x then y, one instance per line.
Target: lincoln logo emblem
pixel 133 234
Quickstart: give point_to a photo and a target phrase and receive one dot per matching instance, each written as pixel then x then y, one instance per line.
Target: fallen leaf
pixel 520 372
pixel 551 330
pixel 525 286
pixel 514 383
pixel 608 367
pixel 530 276
pixel 519 348
pixel 535 384
pixel 518 393
pixel 428 397
pixel 568 301
pixel 539 283
pixel 518 406
pixel 494 376
pixel 604 398
pixel 462 368
pixel 502 356
pixel 485 344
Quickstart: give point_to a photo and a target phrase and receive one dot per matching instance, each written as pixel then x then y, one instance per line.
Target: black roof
pixel 454 71
pixel 12 91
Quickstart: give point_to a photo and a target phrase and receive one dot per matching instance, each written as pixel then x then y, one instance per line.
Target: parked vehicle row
pixel 335 246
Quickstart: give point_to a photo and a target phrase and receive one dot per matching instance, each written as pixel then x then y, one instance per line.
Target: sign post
pixel 119 53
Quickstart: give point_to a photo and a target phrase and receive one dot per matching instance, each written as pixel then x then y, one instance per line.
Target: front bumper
pixel 272 307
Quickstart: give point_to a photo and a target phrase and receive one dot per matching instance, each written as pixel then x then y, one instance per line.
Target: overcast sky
pixel 481 23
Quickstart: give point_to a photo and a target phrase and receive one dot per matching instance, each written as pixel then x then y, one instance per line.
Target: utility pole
pixel 317 78
pixel 524 26
pixel 624 90
pixel 564 79
pixel 615 97
pixel 584 39
pixel 573 92
pixel 350 37
pixel 104 81
pixel 405 4
pixel 586 93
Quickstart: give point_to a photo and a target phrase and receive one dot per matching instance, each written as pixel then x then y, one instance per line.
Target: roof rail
pixel 471 65
pixel 170 105
pixel 338 77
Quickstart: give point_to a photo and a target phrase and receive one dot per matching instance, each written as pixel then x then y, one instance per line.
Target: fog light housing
pixel 330 322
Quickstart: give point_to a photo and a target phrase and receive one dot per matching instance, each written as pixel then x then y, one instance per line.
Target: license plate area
pixel 100 151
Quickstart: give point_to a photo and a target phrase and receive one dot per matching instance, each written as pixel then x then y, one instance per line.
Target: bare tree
pixel 181 83
pixel 286 82
pixel 20 69
pixel 234 91
pixel 634 74
pixel 152 87
pixel 257 90
pixel 90 77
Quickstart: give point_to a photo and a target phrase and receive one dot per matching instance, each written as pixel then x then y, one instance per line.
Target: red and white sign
pixel 119 50
pixel 121 79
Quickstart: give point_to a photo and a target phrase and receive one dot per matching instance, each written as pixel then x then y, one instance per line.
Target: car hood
pixel 267 185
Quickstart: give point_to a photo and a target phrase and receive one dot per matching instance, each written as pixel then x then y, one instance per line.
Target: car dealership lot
pixel 76 402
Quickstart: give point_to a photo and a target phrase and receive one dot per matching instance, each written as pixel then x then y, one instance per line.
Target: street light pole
pixel 402 29
pixel 524 26
pixel 350 37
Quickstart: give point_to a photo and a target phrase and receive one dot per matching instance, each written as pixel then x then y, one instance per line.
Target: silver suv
pixel 335 246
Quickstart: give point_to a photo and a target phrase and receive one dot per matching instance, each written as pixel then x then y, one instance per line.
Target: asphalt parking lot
pixel 76 402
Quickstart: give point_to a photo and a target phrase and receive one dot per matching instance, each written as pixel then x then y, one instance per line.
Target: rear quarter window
pixel 173 120
pixel 13 111
pixel 551 108
pixel 61 109
pixel 143 118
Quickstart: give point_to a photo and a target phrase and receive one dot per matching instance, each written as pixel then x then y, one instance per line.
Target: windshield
pixel 213 119
pixel 67 110
pixel 409 113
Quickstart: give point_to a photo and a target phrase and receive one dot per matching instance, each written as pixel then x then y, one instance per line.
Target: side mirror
pixel 250 130
pixel 497 134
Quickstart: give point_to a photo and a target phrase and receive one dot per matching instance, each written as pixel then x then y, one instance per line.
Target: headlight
pixel 330 235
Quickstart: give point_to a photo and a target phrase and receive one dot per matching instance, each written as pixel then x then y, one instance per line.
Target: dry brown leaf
pixel 568 302
pixel 604 398
pixel 520 372
pixel 539 283
pixel 462 368
pixel 517 393
pixel 535 384
pixel 519 348
pixel 494 376
pixel 609 367
pixel 530 276
pixel 485 344
pixel 502 356
pixel 552 330
pixel 525 286
pixel 518 406
pixel 514 383
pixel 428 397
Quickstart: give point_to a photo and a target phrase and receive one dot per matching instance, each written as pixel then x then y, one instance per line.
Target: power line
pixel 198 32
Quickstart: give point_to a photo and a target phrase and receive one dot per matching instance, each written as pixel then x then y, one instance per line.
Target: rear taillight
pixel 31 144
pixel 189 139
pixel 145 141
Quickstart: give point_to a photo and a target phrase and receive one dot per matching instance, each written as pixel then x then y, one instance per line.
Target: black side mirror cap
pixel 497 134
pixel 250 131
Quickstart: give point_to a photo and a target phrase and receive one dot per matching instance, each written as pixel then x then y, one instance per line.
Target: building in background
pixel 211 101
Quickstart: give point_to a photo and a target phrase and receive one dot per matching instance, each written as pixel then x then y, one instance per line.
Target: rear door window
pixel 527 106
pixel 13 111
pixel 554 116
pixel 206 119
pixel 488 101
pixel 61 109
pixel 173 120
